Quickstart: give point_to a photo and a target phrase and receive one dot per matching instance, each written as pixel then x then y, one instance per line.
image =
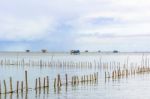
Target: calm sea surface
pixel 14 64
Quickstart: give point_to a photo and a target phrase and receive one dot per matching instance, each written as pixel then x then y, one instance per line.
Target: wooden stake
pixel 44 83
pixel 66 79
pixel 5 89
pixel 11 85
pixel 55 83
pixel 0 87
pixel 21 86
pixel 36 84
pixel 47 81
pixel 39 83
pixel 17 86
pixel 26 80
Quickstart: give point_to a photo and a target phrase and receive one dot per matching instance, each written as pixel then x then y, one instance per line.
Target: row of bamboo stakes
pixel 20 87
pixel 127 72
pixel 70 64
pixel 18 61
pixel 75 79
pixel 44 63
pixel 96 63
pixel 49 63
pixel 38 85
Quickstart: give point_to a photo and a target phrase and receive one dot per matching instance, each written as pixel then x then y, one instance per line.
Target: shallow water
pixel 131 87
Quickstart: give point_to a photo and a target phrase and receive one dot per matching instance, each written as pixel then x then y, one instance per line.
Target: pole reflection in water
pixel 11 96
pixel 26 95
pixel 58 89
pixel 5 96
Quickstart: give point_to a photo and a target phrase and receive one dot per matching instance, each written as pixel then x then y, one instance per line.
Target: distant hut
pixel 75 52
pixel 27 51
pixel 115 51
pixel 86 51
pixel 44 50
pixel 99 51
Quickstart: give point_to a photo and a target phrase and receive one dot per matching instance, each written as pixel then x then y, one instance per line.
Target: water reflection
pixel 11 96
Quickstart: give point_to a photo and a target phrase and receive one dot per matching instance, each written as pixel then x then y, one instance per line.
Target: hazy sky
pixel 61 25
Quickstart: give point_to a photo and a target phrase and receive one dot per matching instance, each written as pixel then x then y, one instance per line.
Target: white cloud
pixel 129 18
pixel 12 28
pixel 36 19
pixel 129 14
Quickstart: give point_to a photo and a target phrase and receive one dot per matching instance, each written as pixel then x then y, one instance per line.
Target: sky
pixel 62 25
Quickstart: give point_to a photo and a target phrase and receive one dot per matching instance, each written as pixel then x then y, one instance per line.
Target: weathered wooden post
pixel 44 85
pixel 58 78
pixel 54 83
pixel 75 80
pixel 39 83
pixel 78 79
pixel 87 78
pixel 11 90
pixel 36 85
pixel 81 79
pixel 58 81
pixel 90 78
pixel 17 87
pixel 66 79
pixel 47 81
pixel 105 75
pixel 21 86
pixel 5 89
pixel 0 88
pixel 26 80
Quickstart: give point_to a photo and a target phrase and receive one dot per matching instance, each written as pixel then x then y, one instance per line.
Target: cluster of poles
pixel 47 63
pixel 17 89
pixel 120 73
pixel 75 80
pixel 39 84
pixel 115 71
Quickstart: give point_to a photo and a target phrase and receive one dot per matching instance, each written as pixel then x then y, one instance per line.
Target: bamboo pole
pixel 66 79
pixel 39 83
pixel 5 89
pixel 0 87
pixel 54 83
pixel 21 86
pixel 17 87
pixel 26 80
pixel 44 83
pixel 36 84
pixel 11 90
pixel 59 81
pixel 47 81
pixel 58 78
